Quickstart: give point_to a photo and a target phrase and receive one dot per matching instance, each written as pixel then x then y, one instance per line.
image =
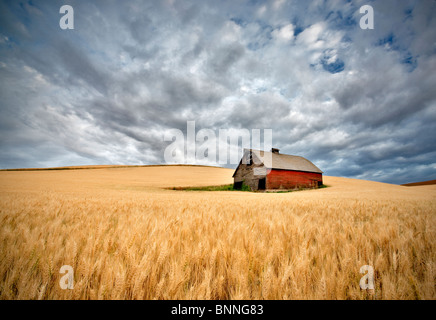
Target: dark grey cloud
pixel 358 103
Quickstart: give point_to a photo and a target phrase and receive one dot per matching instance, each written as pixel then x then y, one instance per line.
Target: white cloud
pixel 285 33
pixel 312 35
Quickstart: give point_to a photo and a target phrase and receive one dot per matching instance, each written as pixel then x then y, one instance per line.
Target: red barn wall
pixel 284 179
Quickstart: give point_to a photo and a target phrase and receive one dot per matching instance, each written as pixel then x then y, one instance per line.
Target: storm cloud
pixel 358 103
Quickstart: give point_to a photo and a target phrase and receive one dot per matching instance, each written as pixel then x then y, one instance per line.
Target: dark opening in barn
pixel 262 184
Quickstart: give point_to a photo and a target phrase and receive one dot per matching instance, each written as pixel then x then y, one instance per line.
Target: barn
pixel 262 170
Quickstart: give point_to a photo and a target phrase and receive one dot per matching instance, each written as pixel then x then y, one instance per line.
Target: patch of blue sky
pixel 239 21
pixel 390 43
pixel 298 27
pixel 339 20
pixel 333 67
pixel 410 61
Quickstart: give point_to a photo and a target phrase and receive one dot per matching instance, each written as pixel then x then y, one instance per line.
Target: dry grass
pixel 127 238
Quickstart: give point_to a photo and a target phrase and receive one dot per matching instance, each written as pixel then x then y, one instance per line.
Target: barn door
pixel 262 183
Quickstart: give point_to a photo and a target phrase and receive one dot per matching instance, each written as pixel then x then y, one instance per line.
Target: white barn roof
pixel 281 161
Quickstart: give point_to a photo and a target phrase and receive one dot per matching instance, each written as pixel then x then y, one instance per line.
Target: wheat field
pixel 127 237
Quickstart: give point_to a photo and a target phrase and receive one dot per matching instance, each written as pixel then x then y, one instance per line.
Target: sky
pixel 358 103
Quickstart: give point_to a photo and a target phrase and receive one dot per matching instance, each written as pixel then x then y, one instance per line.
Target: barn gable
pixel 250 171
pixel 251 159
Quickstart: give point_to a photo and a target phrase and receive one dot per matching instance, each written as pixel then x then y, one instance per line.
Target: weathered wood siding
pixel 250 174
